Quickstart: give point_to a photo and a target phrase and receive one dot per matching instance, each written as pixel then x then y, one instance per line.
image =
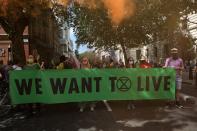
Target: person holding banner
pixel 31 64
pixel 86 65
pixel 130 64
pixel 144 63
pixel 176 63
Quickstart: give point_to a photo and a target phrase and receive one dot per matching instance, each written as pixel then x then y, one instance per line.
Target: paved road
pixel 149 116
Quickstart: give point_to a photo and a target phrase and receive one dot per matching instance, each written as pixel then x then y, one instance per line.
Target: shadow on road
pixel 147 116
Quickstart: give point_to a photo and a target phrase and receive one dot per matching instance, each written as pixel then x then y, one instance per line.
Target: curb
pixel 188 83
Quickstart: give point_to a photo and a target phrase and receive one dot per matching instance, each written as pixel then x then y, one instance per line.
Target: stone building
pixel 49 38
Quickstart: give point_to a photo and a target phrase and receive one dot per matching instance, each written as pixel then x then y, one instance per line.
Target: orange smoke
pixel 119 10
pixel 63 2
pixel 88 3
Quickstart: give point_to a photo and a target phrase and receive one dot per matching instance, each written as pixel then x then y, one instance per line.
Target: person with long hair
pixel 130 64
pixel 86 65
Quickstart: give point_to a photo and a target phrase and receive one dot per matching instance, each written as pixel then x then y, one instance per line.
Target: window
pixel 2 52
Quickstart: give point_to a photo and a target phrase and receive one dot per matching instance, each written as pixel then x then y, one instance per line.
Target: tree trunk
pixel 15 29
pixel 18 51
pixel 125 53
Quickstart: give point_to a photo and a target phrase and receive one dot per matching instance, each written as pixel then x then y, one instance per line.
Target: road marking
pixel 107 105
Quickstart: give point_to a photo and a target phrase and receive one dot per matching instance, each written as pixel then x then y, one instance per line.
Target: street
pixel 98 65
pixel 147 115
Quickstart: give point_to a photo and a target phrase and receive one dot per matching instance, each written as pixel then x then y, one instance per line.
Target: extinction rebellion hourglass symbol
pixel 123 84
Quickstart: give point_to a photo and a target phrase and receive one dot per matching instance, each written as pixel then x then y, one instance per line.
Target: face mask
pixel 131 62
pixel 30 61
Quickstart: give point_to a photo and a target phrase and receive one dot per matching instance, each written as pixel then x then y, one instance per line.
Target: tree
pixel 15 16
pixel 185 46
pixel 152 21
pixel 95 28
pixel 100 23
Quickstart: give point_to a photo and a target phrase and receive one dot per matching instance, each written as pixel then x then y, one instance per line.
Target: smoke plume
pixel 118 10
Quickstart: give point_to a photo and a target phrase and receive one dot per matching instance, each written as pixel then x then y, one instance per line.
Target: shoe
pixel 131 106
pixel 128 107
pixel 81 109
pixel 170 105
pixel 178 105
pixel 91 108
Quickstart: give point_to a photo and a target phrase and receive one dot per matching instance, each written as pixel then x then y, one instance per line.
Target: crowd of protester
pixel 34 62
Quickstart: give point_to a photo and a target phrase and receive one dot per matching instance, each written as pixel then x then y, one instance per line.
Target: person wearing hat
pixel 176 63
pixel 144 63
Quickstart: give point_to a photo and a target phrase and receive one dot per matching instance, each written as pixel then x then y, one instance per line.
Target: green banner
pixel 62 86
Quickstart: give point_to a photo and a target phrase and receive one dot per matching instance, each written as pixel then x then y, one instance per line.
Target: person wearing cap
pixel 176 63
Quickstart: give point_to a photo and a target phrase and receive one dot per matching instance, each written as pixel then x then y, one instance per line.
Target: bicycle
pixel 5 106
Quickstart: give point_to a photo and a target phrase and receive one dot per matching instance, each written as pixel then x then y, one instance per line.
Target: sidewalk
pixel 188 90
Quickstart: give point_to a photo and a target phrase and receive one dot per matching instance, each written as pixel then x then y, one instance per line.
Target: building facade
pixel 192 27
pixel 48 38
pixel 6 44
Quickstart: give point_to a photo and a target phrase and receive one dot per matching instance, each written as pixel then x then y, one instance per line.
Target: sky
pixel 73 38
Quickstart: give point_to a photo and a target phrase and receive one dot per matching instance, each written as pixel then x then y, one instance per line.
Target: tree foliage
pixel 153 20
pixel 15 15
pixel 94 24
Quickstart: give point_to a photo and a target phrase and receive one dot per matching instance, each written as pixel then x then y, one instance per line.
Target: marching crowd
pixel 67 63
